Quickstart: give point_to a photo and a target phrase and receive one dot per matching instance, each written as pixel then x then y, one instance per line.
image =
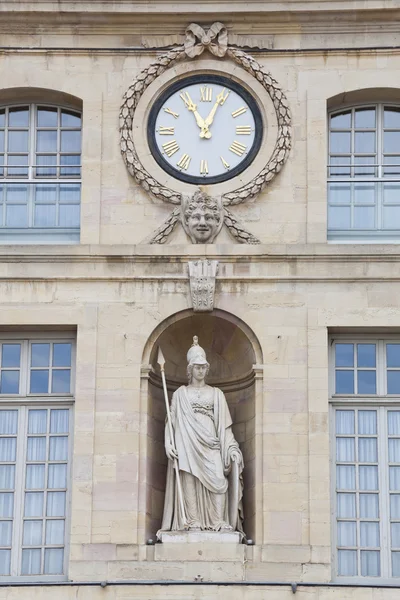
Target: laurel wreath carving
pixel 242 194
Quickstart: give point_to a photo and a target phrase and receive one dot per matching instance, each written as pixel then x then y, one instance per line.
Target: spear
pixel 161 362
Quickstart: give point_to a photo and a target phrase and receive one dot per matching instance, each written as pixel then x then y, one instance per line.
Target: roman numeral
pixel 238 148
pixel 206 94
pixel 184 162
pixel 203 167
pixel 168 130
pixel 243 130
pixel 226 165
pixel 171 112
pixel 239 111
pixel 170 147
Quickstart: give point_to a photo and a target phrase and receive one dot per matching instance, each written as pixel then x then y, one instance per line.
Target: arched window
pixel 40 173
pixel 364 173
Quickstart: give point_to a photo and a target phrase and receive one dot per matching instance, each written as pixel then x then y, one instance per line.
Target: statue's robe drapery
pixel 205 453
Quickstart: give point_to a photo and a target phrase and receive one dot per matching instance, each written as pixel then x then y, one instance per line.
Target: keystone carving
pixel 202 275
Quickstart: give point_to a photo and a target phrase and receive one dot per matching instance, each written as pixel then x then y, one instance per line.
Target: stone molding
pixel 202 274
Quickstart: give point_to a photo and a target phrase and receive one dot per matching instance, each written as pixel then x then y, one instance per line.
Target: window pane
pixel 344 382
pixel 70 193
pixel 391 118
pixel 17 194
pixel 70 119
pixel 347 562
pixel 339 217
pixel 45 215
pixel 394 422
pixel 5 533
pixel 345 450
pixel 18 117
pixel 40 355
pixel 369 506
pixel 364 217
pixel 346 477
pixel 61 381
pixel 393 355
pixel 395 534
pixel 368 478
pixel 36 449
pixel 364 118
pixel 364 193
pixel 53 561
pixel 341 120
pixel 339 166
pixel 37 421
pixel 46 141
pixel 16 215
pixel 39 381
pixel 339 193
pixel 72 165
pixel 395 506
pixel 58 448
pixel 61 355
pixel 367 422
pixel 391 217
pixel 9 382
pixel 32 533
pixel 45 194
pixel 369 535
pixel 17 166
pixel 1 141
pixel 347 533
pixel 55 504
pixel 7 477
pixel 393 168
pixel 6 504
pixel 17 141
pixel 391 141
pixel 46 117
pixel 346 505
pixel 340 142
pixel 31 562
pixel 394 478
pixel 70 141
pixel 69 215
pixel 57 477
pixel 34 477
pixel 364 141
pixel 393 382
pixel 11 355
pixel 370 563
pixel 366 382
pixel 344 355
pixel 9 421
pixel 33 504
pixel 8 449
pixel 394 451
pixel 396 564
pixel 367 450
pixel 44 165
pixel 59 421
pixel 5 562
pixel 54 532
pixel 345 421
pixel 366 355
pixel 2 117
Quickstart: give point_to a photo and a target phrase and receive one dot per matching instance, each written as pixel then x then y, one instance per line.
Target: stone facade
pixel 274 302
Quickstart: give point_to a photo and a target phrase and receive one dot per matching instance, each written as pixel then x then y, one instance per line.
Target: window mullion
pixel 19 492
pixel 384 493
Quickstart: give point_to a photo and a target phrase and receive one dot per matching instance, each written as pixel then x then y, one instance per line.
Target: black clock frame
pixel 204 78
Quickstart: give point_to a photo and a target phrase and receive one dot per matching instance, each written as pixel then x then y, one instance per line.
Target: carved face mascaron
pixel 201 218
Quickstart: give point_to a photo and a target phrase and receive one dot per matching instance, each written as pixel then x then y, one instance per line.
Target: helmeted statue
pixel 210 461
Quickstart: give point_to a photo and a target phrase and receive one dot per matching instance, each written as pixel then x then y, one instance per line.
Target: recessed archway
pixel 233 352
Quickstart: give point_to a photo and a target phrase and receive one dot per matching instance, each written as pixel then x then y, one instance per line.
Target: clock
pixel 205 129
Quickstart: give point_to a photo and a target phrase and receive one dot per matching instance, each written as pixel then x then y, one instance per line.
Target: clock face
pixel 205 129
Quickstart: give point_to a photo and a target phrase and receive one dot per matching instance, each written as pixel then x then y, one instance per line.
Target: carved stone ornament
pixel 215 40
pixel 202 217
pixel 202 275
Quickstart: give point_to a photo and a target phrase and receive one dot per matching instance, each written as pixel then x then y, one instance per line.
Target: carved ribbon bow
pixel 197 40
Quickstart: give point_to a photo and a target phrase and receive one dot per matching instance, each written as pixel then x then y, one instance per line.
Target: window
pixel 35 427
pixel 40 173
pixel 364 173
pixel 365 379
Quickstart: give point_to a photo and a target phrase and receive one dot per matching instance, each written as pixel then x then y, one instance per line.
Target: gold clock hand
pixel 220 100
pixel 192 107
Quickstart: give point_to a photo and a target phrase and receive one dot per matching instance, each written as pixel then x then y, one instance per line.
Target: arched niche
pixel 234 355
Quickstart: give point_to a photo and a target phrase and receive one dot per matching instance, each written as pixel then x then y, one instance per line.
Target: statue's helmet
pixel 196 355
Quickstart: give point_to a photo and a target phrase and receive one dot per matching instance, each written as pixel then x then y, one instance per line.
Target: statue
pixel 204 492
pixel 202 217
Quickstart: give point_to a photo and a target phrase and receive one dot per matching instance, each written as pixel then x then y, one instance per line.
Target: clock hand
pixel 193 108
pixel 221 99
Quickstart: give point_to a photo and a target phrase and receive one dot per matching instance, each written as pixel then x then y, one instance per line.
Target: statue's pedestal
pixel 200 537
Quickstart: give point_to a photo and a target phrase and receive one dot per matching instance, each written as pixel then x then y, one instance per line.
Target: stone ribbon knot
pixel 197 40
